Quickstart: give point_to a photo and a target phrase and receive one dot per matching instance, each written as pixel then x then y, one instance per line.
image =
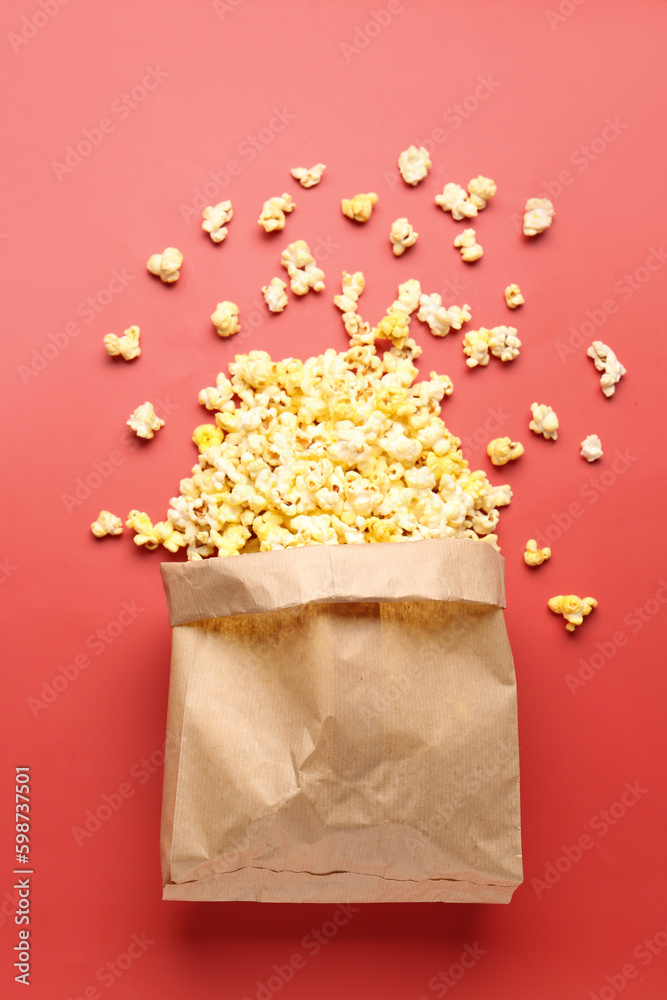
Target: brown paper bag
pixel 342 727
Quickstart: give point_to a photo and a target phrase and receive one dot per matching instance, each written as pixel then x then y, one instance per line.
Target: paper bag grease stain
pixel 342 727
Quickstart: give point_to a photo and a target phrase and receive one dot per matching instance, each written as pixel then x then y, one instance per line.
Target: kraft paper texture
pixel 341 727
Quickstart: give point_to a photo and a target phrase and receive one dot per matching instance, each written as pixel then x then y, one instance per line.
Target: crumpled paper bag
pixel 342 727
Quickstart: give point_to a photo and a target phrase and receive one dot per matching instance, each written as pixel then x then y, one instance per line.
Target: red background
pixel 353 98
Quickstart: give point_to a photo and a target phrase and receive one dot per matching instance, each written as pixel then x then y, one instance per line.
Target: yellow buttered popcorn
pixel 215 219
pixel 360 207
pixel 273 212
pixel 534 556
pixel 106 524
pixel 573 609
pixel 207 435
pixel 503 450
pixel 126 347
pixel 514 297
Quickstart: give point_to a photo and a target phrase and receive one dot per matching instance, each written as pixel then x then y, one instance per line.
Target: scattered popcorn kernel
pixel 455 200
pixel 106 524
pixel 470 248
pixel 360 207
pixel 481 189
pixel 503 450
pixel 126 346
pixel 414 164
pixel 544 422
pixel 534 556
pixel 458 315
pixel 308 176
pixel 591 448
pixel 504 343
pixel 402 236
pixel 144 421
pixel 606 362
pixel 432 312
pixel 166 264
pixel 216 218
pixel 273 212
pixel 409 294
pixel 513 296
pixel 573 609
pixel 538 216
pixel 274 295
pixel 476 347
pixel 303 271
pixel 225 319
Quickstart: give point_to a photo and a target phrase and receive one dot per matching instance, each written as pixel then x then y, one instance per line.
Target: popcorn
pixel 538 216
pixel 504 343
pixel 215 219
pixel 458 315
pixel 476 347
pixel 481 189
pixel 513 296
pixel 573 609
pixel 414 164
pixel 534 556
pixel 303 271
pixel 409 294
pixel 503 450
pixel 455 200
pixel 544 422
pixel 144 421
pixel 308 176
pixel 225 319
pixel 272 216
pixel 360 207
pixel 106 524
pixel 166 264
pixel 274 295
pixel 353 286
pixel 402 236
pixel 607 362
pixel 432 312
pixel 591 448
pixel 338 449
pixel 126 346
pixel 470 248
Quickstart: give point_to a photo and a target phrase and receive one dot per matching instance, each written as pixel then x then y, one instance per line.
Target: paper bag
pixel 342 727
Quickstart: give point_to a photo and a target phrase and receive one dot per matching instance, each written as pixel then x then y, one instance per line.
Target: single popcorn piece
pixel 216 218
pixel 274 295
pixel 476 347
pixel 166 265
pixel 395 326
pixel 300 264
pixel 127 346
pixel 225 319
pixel 432 312
pixel 470 248
pixel 409 294
pixel 458 315
pixel 455 200
pixel 503 450
pixel 607 363
pixel 402 236
pixel 544 422
pixel 534 556
pixel 538 216
pixel 360 207
pixel 481 189
pixel 273 213
pixel 106 524
pixel 207 435
pixel 353 286
pixel 591 448
pixel 414 164
pixel 504 343
pixel 513 296
pixel 144 421
pixel 308 176
pixel 573 609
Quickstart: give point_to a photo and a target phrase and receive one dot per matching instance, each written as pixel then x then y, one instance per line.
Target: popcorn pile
pixel 341 448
